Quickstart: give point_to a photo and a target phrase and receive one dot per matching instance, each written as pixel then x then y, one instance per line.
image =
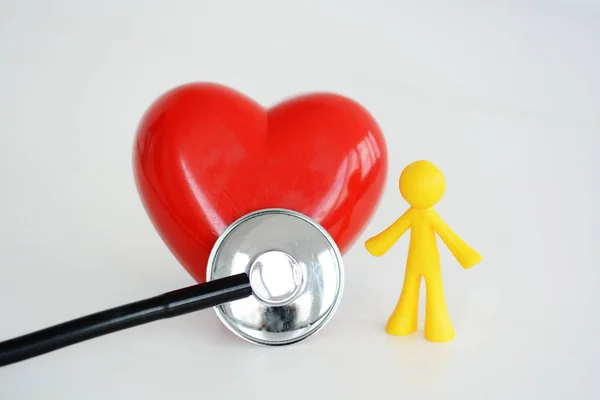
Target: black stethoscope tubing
pixel 167 305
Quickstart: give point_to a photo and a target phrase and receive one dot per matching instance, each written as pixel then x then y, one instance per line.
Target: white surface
pixel 502 95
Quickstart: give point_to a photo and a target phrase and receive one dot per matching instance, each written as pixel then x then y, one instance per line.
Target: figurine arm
pixel 465 255
pixel 378 245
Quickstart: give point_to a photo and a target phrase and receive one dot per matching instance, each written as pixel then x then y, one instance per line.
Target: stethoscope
pixel 274 277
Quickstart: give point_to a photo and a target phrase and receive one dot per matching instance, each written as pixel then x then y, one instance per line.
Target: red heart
pixel 205 155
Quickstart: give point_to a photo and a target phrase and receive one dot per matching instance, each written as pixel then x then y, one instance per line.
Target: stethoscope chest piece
pixel 295 270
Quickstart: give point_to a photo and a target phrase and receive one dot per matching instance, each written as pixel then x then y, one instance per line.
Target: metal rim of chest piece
pixel 296 273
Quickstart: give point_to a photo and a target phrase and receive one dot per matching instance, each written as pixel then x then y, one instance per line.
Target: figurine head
pixel 422 184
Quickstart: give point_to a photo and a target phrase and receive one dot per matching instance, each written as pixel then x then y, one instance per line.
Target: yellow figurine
pixel 422 185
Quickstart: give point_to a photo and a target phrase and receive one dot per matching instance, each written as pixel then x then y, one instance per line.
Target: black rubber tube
pixel 171 304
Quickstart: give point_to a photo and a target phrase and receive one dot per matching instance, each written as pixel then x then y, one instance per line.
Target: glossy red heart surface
pixel 206 155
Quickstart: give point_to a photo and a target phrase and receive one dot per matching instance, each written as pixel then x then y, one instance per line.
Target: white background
pixel 503 96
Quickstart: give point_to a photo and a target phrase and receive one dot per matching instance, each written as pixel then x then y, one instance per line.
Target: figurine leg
pixel 403 320
pixel 438 327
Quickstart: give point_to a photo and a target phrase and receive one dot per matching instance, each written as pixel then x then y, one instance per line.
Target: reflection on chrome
pixel 275 277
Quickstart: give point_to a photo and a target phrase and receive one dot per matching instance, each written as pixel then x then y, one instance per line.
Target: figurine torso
pixel 423 255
